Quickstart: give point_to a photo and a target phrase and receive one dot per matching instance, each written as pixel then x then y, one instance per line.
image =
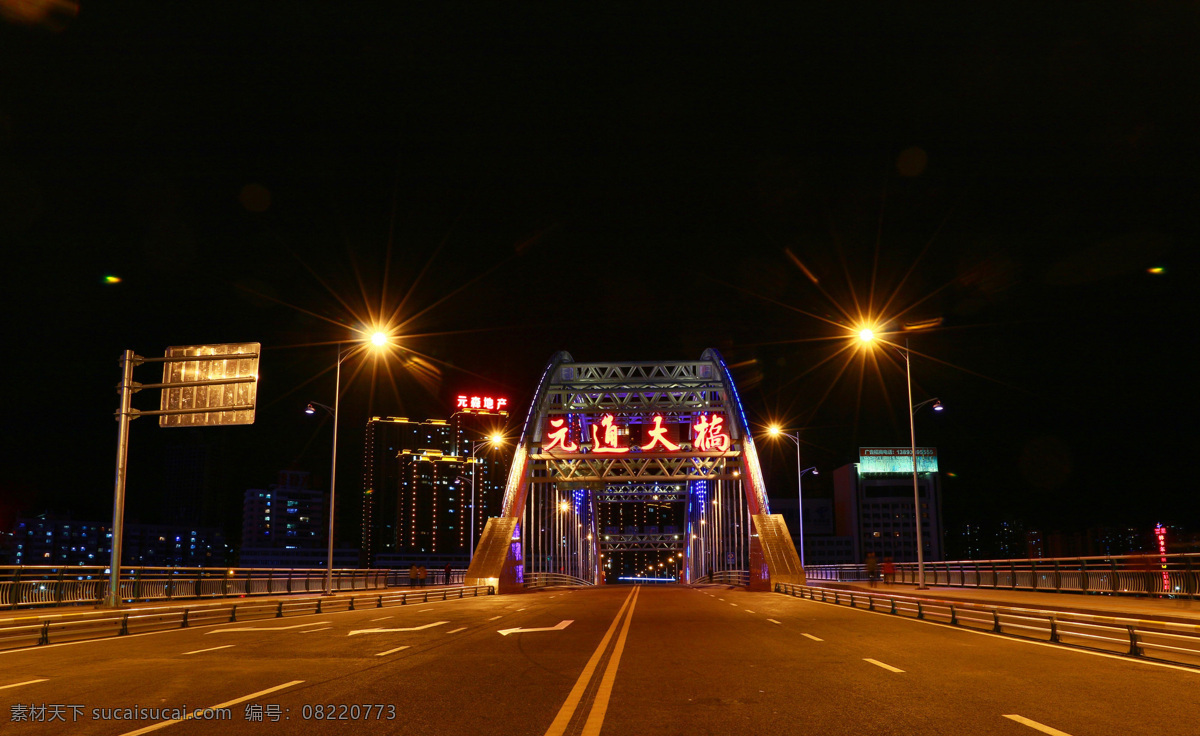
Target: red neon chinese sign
pixel 710 435
pixel 609 443
pixel 558 436
pixel 484 403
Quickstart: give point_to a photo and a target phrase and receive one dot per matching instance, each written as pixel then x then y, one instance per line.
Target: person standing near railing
pixel 449 570
pixel 872 568
pixel 412 575
pixel 422 574
pixel 889 571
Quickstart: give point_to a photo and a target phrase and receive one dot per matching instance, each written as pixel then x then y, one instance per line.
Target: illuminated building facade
pixel 873 503
pixel 60 542
pixel 417 484
pixel 287 515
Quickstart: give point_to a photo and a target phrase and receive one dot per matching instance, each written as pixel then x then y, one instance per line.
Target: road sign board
pixel 212 380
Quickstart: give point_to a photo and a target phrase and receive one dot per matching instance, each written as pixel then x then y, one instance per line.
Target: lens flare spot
pixel 255 198
pixel 1156 270
pixel 912 161
pixel 112 279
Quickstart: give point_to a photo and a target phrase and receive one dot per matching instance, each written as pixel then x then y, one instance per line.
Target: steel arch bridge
pixel 668 438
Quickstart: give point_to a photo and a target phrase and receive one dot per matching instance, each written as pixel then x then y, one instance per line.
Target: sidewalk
pixel 1177 610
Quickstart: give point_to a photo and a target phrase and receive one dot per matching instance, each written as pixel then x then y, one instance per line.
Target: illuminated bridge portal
pixel 639 469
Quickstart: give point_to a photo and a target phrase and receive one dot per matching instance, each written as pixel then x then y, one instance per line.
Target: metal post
pixel 474 470
pixel 912 433
pixel 337 396
pixel 799 497
pixel 114 575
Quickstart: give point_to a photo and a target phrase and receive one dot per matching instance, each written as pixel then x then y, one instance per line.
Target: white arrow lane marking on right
pixel 384 631
pixel 557 627
pixel 1039 726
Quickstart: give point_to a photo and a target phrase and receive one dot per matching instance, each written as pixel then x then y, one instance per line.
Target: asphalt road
pixel 647 660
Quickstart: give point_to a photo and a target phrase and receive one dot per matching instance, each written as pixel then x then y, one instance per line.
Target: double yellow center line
pixel 595 718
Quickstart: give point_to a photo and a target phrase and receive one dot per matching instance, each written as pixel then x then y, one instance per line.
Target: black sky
pixel 621 182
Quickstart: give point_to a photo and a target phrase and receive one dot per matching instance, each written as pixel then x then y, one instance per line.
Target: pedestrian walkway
pixel 1178 610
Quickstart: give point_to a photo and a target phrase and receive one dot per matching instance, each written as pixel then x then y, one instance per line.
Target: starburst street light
pixel 377 340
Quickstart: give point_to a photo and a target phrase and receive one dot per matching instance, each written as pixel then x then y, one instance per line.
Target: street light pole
pixel 337 397
pixel 912 434
pixel 495 441
pixel 795 438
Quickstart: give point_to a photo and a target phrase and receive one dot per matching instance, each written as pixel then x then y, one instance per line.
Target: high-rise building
pixel 288 515
pixel 417 485
pixel 873 502
pixel 58 542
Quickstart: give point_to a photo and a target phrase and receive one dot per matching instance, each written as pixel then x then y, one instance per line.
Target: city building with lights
pixel 285 524
pixel 873 503
pixel 417 477
pixel 62 542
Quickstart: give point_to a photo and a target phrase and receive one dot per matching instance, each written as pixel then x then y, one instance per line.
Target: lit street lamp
pixel 867 336
pixel 376 340
pixel 495 441
pixel 795 438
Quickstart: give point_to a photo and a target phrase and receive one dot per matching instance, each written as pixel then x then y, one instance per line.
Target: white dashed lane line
pixel 493 618
pixel 877 663
pixel 381 618
pixel 1039 726
pixel 773 621
pixel 814 638
pixel 455 631
pixel 392 651
pixel 19 684
pixel 210 649
pixel 747 610
pixel 327 628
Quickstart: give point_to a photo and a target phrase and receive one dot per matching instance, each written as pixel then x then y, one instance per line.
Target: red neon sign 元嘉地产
pixel 485 403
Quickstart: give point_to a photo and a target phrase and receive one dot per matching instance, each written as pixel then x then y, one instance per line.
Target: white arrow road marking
pixel 557 627
pixel 269 628
pixel 384 631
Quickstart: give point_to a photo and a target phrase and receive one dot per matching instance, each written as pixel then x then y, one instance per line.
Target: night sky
pixel 621 182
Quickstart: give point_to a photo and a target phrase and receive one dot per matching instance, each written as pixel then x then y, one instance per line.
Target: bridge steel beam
pixel 576 395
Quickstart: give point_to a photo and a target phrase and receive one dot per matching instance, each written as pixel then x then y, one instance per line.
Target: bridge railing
pixel 121 622
pixel 725 577
pixel 1162 640
pixel 1174 575
pixel 35 585
pixel 552 580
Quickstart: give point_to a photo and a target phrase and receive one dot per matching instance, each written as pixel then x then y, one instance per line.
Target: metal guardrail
pixel 119 623
pixel 725 577
pixel 28 586
pixel 1160 640
pixel 552 580
pixel 1175 575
